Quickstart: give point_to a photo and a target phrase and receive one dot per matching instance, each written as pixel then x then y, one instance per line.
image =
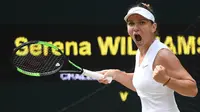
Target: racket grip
pixel 95 75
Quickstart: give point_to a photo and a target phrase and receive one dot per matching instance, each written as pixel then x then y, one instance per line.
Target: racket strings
pixel 28 61
pixel 42 66
pixel 55 61
pixel 21 62
pixel 39 63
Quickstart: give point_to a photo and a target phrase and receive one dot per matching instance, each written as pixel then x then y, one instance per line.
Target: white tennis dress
pixel 153 95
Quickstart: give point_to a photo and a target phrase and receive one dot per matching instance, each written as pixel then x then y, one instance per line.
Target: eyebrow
pixel 139 20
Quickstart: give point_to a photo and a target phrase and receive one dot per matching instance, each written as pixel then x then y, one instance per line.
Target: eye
pixel 130 23
pixel 142 22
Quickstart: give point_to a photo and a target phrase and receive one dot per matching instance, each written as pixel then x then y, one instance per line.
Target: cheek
pixel 129 30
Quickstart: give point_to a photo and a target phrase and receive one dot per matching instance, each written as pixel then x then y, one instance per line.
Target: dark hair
pixel 146 6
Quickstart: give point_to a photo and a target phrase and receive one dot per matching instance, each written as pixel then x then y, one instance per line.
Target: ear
pixel 154 27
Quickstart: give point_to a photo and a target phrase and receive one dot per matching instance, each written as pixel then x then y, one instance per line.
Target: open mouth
pixel 138 37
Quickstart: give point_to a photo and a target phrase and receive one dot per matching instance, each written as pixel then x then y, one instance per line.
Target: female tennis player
pixel 158 72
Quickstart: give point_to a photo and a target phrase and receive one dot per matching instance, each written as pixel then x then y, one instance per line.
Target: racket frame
pixel 45 73
pixel 81 70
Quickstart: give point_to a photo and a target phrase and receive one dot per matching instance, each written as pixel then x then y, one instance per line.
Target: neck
pixel 144 49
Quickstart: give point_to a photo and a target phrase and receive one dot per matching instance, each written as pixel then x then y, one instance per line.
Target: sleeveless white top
pixel 153 95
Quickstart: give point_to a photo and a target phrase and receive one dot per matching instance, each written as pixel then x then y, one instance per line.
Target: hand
pixel 160 74
pixel 108 73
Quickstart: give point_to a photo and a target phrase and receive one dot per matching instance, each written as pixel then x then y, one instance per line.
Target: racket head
pixel 40 64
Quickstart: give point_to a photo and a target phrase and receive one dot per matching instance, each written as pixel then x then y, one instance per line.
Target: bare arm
pixel 181 81
pixel 119 76
pixel 125 79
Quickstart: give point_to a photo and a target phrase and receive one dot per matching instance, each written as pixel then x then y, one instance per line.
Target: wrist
pixel 166 82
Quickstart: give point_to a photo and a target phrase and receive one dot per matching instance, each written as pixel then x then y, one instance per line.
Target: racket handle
pixel 95 75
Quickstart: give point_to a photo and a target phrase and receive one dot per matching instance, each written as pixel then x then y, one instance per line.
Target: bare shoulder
pixel 167 58
pixel 172 64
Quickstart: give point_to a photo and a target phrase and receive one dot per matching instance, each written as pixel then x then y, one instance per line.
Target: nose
pixel 135 28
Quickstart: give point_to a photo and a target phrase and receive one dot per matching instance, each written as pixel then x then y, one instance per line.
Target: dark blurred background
pixel 78 20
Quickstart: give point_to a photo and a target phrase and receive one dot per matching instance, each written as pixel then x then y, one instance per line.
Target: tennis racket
pixel 48 63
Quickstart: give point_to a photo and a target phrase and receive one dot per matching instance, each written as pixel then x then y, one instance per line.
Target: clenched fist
pixel 160 74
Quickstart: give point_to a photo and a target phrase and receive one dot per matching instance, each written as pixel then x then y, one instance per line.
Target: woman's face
pixel 140 29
